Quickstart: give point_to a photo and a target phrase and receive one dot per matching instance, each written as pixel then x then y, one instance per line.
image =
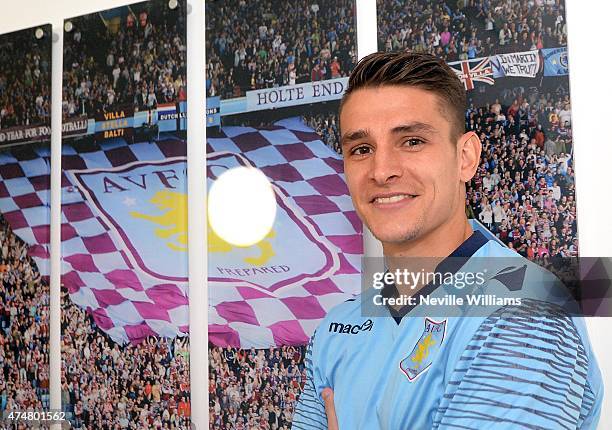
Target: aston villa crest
pixel 425 350
pixel 144 205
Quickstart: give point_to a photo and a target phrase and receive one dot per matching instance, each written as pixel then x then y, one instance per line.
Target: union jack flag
pixel 481 72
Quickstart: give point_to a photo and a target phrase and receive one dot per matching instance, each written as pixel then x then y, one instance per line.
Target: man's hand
pixel 330 409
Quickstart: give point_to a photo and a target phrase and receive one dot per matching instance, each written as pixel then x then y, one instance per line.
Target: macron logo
pixel 336 327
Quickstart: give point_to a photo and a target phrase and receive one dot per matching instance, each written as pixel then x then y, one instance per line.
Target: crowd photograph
pixel 25 76
pixel 25 102
pixel 24 327
pixel 110 386
pixel 467 29
pixel 254 389
pixel 326 124
pixel 139 61
pixel 254 45
pixel 103 384
pixel 130 58
pixel 525 190
pixel 523 193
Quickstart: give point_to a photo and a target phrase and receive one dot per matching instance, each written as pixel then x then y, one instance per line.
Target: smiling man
pixel 407 159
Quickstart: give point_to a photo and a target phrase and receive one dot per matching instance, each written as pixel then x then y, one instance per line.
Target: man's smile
pixel 392 200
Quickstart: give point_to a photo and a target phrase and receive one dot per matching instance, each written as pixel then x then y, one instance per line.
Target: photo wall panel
pixel 513 63
pixel 274 76
pixel 275 73
pixel 125 347
pixel 25 118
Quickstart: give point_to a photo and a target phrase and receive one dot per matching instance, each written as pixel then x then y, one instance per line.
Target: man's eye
pixel 413 142
pixel 361 150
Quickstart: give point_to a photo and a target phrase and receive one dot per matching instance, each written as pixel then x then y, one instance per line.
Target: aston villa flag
pixel 124 235
pixel 277 291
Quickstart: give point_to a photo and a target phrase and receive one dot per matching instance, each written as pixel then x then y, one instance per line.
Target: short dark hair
pixel 412 69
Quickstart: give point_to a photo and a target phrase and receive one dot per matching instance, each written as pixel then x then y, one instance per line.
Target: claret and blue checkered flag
pixel 124 235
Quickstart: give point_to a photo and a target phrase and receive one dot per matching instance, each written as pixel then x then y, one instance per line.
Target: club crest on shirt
pixel 421 357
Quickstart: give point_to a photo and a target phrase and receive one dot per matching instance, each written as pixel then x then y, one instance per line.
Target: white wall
pixel 588 22
pixel 591 92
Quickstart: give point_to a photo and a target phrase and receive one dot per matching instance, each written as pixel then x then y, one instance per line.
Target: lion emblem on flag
pixel 173 226
pixel 173 222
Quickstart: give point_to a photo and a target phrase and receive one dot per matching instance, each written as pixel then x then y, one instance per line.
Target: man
pixel 407 160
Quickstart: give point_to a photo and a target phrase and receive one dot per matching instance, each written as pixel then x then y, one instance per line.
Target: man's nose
pixel 386 165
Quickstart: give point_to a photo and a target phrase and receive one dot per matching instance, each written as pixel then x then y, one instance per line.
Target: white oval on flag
pixel 241 206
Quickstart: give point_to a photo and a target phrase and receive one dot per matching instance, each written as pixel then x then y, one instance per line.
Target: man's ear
pixel 469 148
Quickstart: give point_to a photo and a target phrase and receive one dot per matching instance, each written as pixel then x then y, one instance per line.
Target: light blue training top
pixel 527 366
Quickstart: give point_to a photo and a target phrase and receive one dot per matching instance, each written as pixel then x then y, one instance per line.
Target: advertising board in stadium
pixel 291 95
pixel 169 111
pixel 40 132
pixel 172 116
pixel 23 134
pixel 213 111
pixel 75 126
pixel 118 122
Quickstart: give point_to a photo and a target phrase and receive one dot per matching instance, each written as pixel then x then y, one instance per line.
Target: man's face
pixel 402 168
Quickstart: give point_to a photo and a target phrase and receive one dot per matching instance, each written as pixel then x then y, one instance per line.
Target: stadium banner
pixel 292 95
pixel 25 134
pixel 125 196
pixel 519 64
pixel 171 116
pixel 182 121
pixel 167 112
pixel 213 111
pixel 275 292
pixel 233 106
pixel 555 61
pixel 472 71
pixel 118 122
pixel 36 133
pixel 25 182
pixel 75 126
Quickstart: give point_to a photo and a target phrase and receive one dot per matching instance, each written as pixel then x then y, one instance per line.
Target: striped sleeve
pixel 310 410
pixel 525 368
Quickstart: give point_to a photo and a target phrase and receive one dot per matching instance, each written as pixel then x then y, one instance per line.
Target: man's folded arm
pixel 310 409
pixel 525 368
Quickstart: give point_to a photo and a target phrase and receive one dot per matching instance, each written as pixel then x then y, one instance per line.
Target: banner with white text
pixel 292 95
